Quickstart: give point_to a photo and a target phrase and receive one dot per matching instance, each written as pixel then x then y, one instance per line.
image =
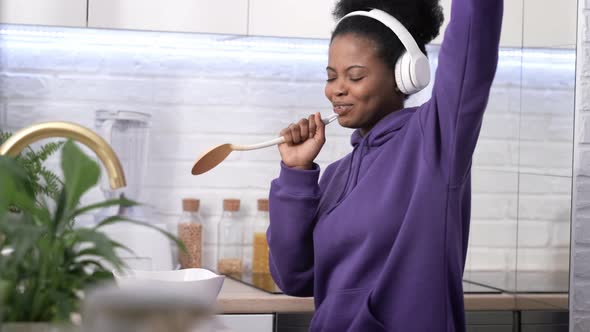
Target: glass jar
pixel 259 243
pixel 190 232
pixel 230 238
pixel 210 244
pixel 247 246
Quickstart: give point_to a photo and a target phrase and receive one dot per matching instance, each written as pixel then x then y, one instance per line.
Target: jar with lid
pixel 247 248
pixel 230 238
pixel 190 232
pixel 210 245
pixel 260 245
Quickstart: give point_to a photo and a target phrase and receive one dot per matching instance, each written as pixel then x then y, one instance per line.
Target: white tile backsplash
pixel 207 90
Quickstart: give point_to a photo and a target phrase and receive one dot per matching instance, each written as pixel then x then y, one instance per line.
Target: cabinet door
pixel 511 24
pixel 550 23
pixel 291 18
pixel 70 13
pixel 544 321
pixel 533 23
pixel 490 321
pixel 293 322
pixel 220 16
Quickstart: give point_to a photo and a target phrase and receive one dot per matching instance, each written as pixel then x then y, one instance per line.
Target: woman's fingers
pixel 312 125
pixel 304 129
pixel 286 133
pixel 299 132
pixel 295 133
pixel 320 134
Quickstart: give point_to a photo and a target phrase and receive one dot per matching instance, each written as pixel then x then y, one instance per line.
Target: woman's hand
pixel 303 142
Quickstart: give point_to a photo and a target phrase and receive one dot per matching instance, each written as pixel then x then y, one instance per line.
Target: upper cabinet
pixel 71 13
pixel 533 23
pixel 291 18
pixel 511 24
pixel 207 16
pixel 527 23
pixel 550 23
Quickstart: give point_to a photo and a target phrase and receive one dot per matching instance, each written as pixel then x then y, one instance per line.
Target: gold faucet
pixel 22 138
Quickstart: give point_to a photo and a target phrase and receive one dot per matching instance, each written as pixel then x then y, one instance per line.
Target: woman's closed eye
pixel 356 78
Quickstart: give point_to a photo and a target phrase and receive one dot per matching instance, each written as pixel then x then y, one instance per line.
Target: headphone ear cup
pixel 420 72
pixel 402 74
pixel 398 76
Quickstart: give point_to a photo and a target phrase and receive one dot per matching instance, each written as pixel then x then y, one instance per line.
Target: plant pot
pixel 36 327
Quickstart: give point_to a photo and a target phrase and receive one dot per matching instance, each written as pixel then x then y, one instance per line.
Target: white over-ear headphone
pixel 412 71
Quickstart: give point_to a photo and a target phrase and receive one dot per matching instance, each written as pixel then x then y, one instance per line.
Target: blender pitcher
pixel 128 134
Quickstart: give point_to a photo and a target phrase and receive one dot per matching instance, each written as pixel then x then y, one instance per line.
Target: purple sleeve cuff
pixel 302 182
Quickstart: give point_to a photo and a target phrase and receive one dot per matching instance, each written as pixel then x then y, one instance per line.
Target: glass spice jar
pixel 260 245
pixel 230 238
pixel 190 232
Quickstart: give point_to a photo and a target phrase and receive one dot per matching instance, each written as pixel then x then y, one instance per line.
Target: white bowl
pixel 202 283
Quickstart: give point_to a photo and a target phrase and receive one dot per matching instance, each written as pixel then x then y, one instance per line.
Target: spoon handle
pixel 274 141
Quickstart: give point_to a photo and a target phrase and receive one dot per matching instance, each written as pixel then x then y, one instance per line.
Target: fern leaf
pixel 43 181
pixel 52 184
pixel 48 149
pixel 4 136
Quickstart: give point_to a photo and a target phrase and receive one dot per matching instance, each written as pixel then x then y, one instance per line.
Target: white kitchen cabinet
pixel 313 19
pixel 511 25
pixel 550 23
pixel 71 13
pixel 247 323
pixel 220 16
pixel 527 23
pixel 291 18
pixel 533 23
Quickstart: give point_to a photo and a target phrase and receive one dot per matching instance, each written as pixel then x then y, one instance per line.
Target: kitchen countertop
pixel 236 297
pixel 521 281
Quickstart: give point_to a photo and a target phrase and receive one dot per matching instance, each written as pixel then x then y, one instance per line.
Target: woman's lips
pixel 342 109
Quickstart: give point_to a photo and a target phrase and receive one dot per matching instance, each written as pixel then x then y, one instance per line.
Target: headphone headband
pixel 394 25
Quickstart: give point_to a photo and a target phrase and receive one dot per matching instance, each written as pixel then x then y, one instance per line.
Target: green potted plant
pixel 44 182
pixel 46 263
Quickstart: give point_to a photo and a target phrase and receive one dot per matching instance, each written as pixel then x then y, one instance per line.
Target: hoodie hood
pixel 348 169
pixel 384 129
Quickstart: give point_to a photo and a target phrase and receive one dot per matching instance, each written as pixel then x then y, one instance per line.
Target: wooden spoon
pixel 215 155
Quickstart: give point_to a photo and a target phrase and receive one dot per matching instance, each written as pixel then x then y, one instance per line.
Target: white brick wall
pixel 205 90
pixel 580 246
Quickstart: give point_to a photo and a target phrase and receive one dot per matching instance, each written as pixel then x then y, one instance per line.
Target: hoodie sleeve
pixel 293 202
pixel 467 63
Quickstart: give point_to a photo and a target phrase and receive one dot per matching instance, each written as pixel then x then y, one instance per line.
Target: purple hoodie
pixel 381 240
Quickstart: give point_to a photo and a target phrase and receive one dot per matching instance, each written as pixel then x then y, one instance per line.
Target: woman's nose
pixel 340 90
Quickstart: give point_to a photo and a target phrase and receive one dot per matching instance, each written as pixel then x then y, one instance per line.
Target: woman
pixel 381 240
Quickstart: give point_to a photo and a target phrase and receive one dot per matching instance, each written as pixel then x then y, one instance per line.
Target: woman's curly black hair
pixel 422 18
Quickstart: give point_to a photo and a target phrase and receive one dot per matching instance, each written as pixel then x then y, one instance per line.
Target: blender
pixel 128 134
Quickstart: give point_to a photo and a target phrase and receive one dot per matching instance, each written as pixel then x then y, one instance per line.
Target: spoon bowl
pixel 211 158
pixel 215 155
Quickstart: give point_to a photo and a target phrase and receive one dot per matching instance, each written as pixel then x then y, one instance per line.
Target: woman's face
pixel 360 86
